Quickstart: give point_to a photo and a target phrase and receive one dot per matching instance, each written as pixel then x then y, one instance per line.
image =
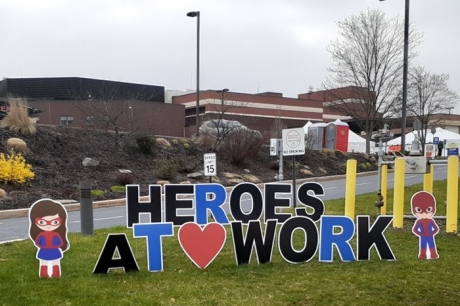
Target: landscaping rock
pixel 162 183
pixel 89 162
pixel 250 178
pixel 161 142
pixel 306 172
pixel 195 175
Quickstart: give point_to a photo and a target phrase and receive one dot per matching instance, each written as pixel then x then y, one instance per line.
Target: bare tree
pixel 368 62
pixel 277 126
pixel 216 131
pixel 110 108
pixel 428 96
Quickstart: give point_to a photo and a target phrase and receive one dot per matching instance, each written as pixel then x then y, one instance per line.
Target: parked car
pixel 222 128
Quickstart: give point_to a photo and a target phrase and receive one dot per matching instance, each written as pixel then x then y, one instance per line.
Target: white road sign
pixel 210 167
pixel 293 141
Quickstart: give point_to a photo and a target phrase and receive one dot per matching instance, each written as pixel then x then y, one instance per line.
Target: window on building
pixel 66 120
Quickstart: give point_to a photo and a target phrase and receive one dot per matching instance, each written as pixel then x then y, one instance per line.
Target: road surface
pixel 17 228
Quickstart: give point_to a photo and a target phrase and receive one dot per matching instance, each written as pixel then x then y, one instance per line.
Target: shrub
pixel 363 166
pixel 18 145
pixel 175 141
pixel 166 169
pixel 328 152
pixel 145 144
pixel 125 178
pixel 186 146
pixel 184 141
pixel 118 188
pixel 14 169
pixel 97 193
pixel 241 145
pixel 17 120
pixel 274 165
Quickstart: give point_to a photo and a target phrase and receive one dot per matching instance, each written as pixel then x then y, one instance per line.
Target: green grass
pixel 406 281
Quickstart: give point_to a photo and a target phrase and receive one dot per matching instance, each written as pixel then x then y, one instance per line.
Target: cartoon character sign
pixel 48 231
pixel 423 208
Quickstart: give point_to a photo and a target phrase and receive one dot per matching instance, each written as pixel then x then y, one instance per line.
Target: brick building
pixel 90 103
pixel 264 111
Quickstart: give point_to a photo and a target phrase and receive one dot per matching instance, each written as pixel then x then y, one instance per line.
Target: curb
pixel 24 212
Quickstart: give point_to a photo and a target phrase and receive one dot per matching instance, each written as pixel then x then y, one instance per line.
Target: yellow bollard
pixel 383 189
pixel 428 180
pixel 452 195
pixel 350 189
pixel 398 200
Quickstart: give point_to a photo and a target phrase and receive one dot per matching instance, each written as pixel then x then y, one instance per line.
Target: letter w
pixel 263 245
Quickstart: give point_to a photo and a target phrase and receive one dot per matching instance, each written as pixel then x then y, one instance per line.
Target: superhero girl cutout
pixel 48 231
pixel 423 208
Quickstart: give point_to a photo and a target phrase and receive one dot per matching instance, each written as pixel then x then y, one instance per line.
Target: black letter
pixel 285 239
pixel 271 202
pixel 312 201
pixel 243 246
pixel 107 260
pixel 366 238
pixel 235 202
pixel 134 207
pixel 172 204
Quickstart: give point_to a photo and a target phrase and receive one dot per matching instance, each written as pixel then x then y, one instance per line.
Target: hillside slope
pixel 56 155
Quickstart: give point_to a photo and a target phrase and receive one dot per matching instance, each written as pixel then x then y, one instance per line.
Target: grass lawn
pixel 406 281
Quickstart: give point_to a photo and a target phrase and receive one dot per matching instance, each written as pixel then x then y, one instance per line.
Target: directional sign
pixel 435 140
pixel 210 167
pixel 293 142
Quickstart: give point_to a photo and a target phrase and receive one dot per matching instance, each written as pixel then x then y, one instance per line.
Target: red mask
pixel 423 202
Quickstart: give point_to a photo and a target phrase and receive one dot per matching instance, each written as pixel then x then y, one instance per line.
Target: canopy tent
pixel 305 127
pixel 440 132
pixel 357 143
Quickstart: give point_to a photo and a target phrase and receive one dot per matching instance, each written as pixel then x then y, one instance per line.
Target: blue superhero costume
pixel 426 229
pixel 49 244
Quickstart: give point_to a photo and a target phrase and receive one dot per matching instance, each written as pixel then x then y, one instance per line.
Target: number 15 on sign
pixel 210 168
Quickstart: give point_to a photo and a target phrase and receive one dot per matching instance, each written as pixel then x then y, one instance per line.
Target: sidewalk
pixel 23 212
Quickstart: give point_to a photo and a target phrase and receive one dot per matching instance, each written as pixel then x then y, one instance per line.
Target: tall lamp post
pixel 404 98
pixel 223 91
pixel 197 15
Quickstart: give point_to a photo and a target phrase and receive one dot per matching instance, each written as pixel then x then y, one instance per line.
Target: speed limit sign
pixel 210 168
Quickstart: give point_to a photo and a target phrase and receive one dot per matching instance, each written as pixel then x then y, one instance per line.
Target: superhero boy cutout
pixel 48 231
pixel 423 208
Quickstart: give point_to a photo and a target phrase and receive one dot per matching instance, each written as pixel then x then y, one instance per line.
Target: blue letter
pixel 153 232
pixel 214 205
pixel 341 240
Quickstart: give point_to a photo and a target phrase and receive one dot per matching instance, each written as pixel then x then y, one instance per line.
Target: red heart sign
pixel 202 245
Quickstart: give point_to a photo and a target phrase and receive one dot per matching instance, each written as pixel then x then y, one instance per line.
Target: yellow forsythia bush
pixel 14 169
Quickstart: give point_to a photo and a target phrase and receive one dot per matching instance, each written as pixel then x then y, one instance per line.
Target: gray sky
pixel 246 45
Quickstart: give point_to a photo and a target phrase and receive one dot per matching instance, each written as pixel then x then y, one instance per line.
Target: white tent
pixel 440 132
pixel 305 127
pixel 357 143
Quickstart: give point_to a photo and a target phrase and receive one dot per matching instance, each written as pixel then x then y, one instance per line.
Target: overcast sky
pixel 245 45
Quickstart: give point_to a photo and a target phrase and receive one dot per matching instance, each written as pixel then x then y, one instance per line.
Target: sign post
pixel 293 144
pixel 210 167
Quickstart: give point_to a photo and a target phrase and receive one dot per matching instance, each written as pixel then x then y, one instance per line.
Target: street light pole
pixel 405 72
pixel 197 120
pixel 223 91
